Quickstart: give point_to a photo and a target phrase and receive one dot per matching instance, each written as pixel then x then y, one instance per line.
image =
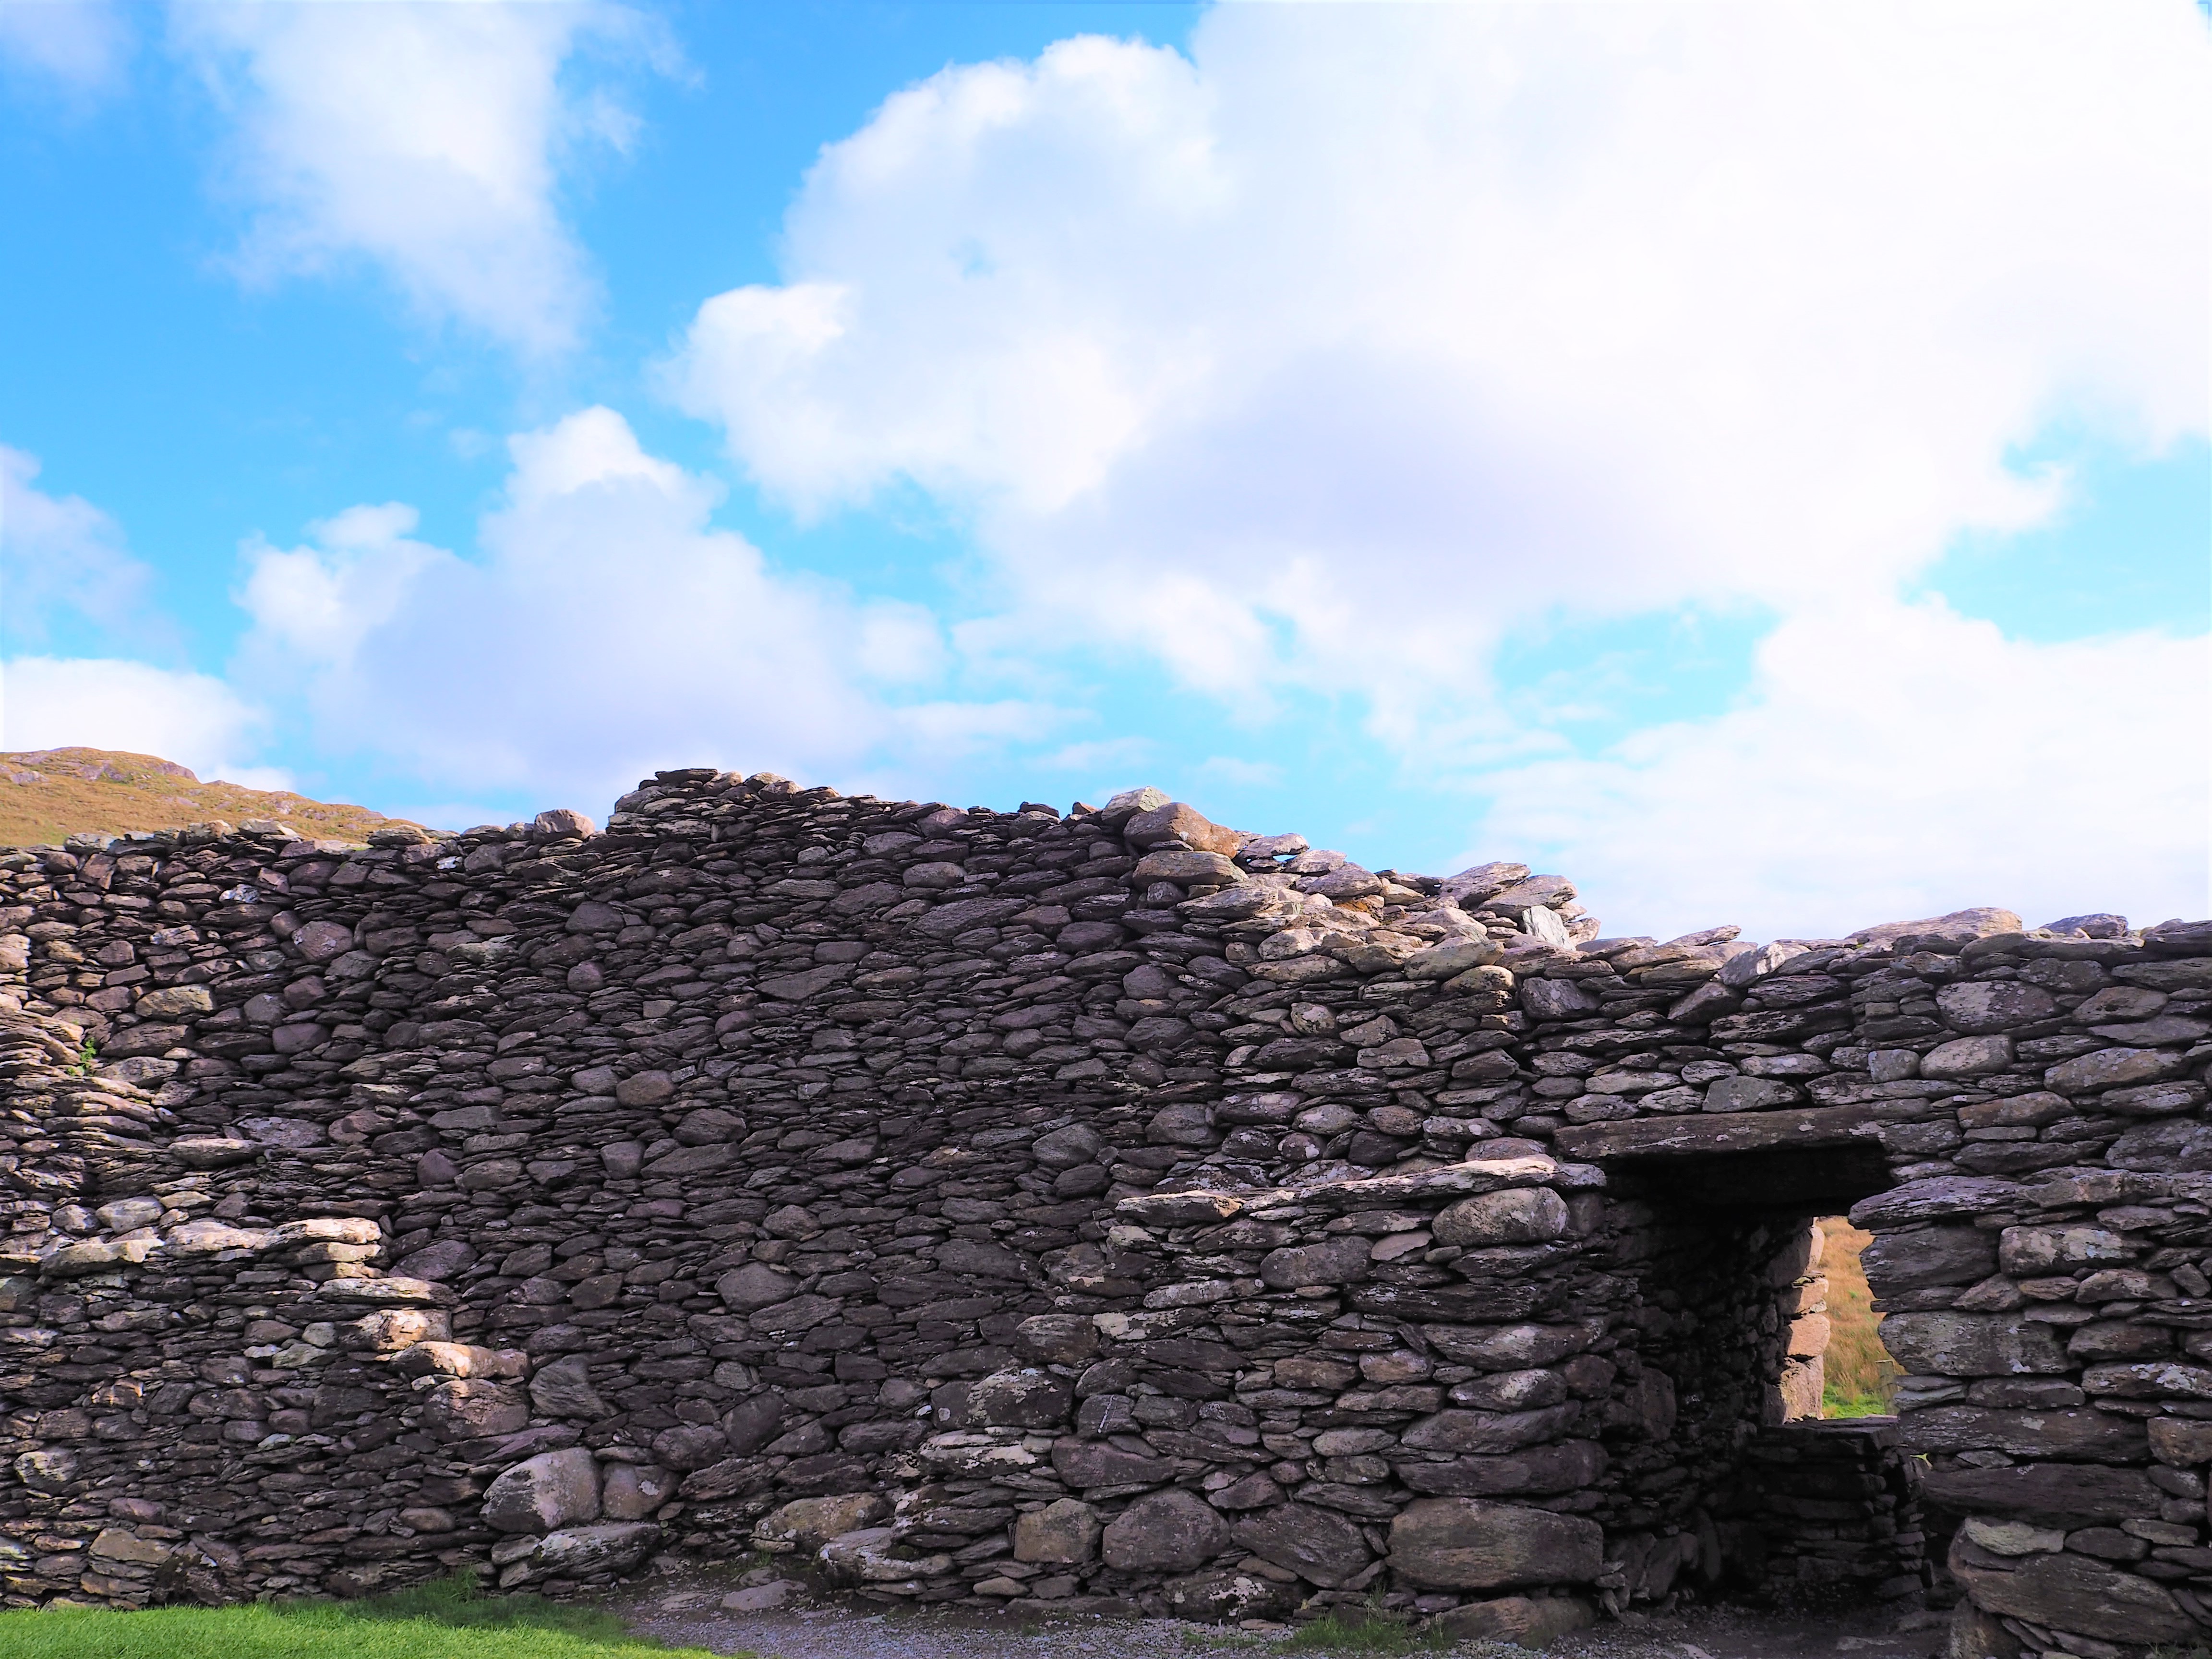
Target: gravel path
pixel 687 1611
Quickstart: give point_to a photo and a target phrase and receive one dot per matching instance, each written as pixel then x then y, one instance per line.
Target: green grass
pixel 448 1619
pixel 1861 1379
pixel 1835 1403
pixel 1369 1631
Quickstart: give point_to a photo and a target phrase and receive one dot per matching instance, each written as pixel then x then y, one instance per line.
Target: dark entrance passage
pixel 1726 1253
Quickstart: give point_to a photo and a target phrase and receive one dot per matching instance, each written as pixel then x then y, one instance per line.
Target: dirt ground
pixel 687 1610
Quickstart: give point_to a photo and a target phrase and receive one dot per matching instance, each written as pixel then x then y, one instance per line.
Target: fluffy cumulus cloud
pixel 604 630
pixel 1330 353
pixel 56 702
pixel 60 553
pixel 423 139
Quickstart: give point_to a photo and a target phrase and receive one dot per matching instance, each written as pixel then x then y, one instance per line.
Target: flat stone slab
pixel 1722 1131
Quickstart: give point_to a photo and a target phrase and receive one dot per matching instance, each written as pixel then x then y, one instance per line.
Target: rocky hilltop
pixel 46 795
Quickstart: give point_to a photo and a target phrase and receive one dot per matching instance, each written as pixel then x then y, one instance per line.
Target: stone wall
pixel 1109 1209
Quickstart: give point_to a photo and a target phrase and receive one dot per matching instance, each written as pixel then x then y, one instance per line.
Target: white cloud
pixel 1329 355
pixel 61 553
pixel 80 45
pixel 1507 307
pixel 426 139
pixel 1897 760
pixel 606 631
pixel 48 702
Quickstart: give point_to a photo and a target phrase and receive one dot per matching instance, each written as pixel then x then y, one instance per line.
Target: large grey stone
pixel 631 1491
pixel 213 1151
pixel 2063 1494
pixel 2058 1434
pixel 1982 1008
pixel 1519 1215
pixel 1938 1199
pixel 1968 1056
pixel 984 1261
pixel 1525 1621
pixel 1029 1399
pixel 2033 1252
pixel 1959 926
pixel 691 1446
pixel 1087 1464
pixel 755 1285
pixel 806 1524
pixel 1057 1339
pixel 760 1598
pixel 580 1552
pixel 1467 1543
pixel 752 1422
pixel 1223 1597
pixel 552 1490
pixel 1897 1262
pixel 467 1409
pixel 1555 999
pixel 1512 1347
pixel 1549 891
pixel 1063 1149
pixel 1452 956
pixel 1172 1531
pixel 1945 1344
pixel 564 1388
pixel 1172 820
pixel 1535 1469
pixel 870 1556
pixel 2176 1145
pixel 1491 1431
pixel 1318 1545
pixel 2114 1068
pixel 52 1470
pixel 2075 1594
pixel 2154 1099
pixel 1066 1530
pixel 1187 868
pixel 1747 1094
pixel 1336 1261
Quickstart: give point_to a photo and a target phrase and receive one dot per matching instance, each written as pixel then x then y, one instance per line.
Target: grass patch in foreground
pixel 448 1619
pixel 1368 1631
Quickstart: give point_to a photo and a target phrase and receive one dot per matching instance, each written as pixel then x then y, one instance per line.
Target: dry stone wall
pixel 1111 1209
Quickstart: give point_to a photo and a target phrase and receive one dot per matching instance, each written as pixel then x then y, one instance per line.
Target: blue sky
pixel 1757 467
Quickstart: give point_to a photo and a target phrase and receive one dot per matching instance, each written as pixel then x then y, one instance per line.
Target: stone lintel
pixel 1724 1132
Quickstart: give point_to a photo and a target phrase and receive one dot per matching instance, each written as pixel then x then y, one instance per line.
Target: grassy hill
pixel 51 793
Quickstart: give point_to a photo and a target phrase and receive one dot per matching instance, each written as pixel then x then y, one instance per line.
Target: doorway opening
pixel 1789 1495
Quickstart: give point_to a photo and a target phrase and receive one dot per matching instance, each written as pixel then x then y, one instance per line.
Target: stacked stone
pixel 2070 1059
pixel 1835 1503
pixel 765 1150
